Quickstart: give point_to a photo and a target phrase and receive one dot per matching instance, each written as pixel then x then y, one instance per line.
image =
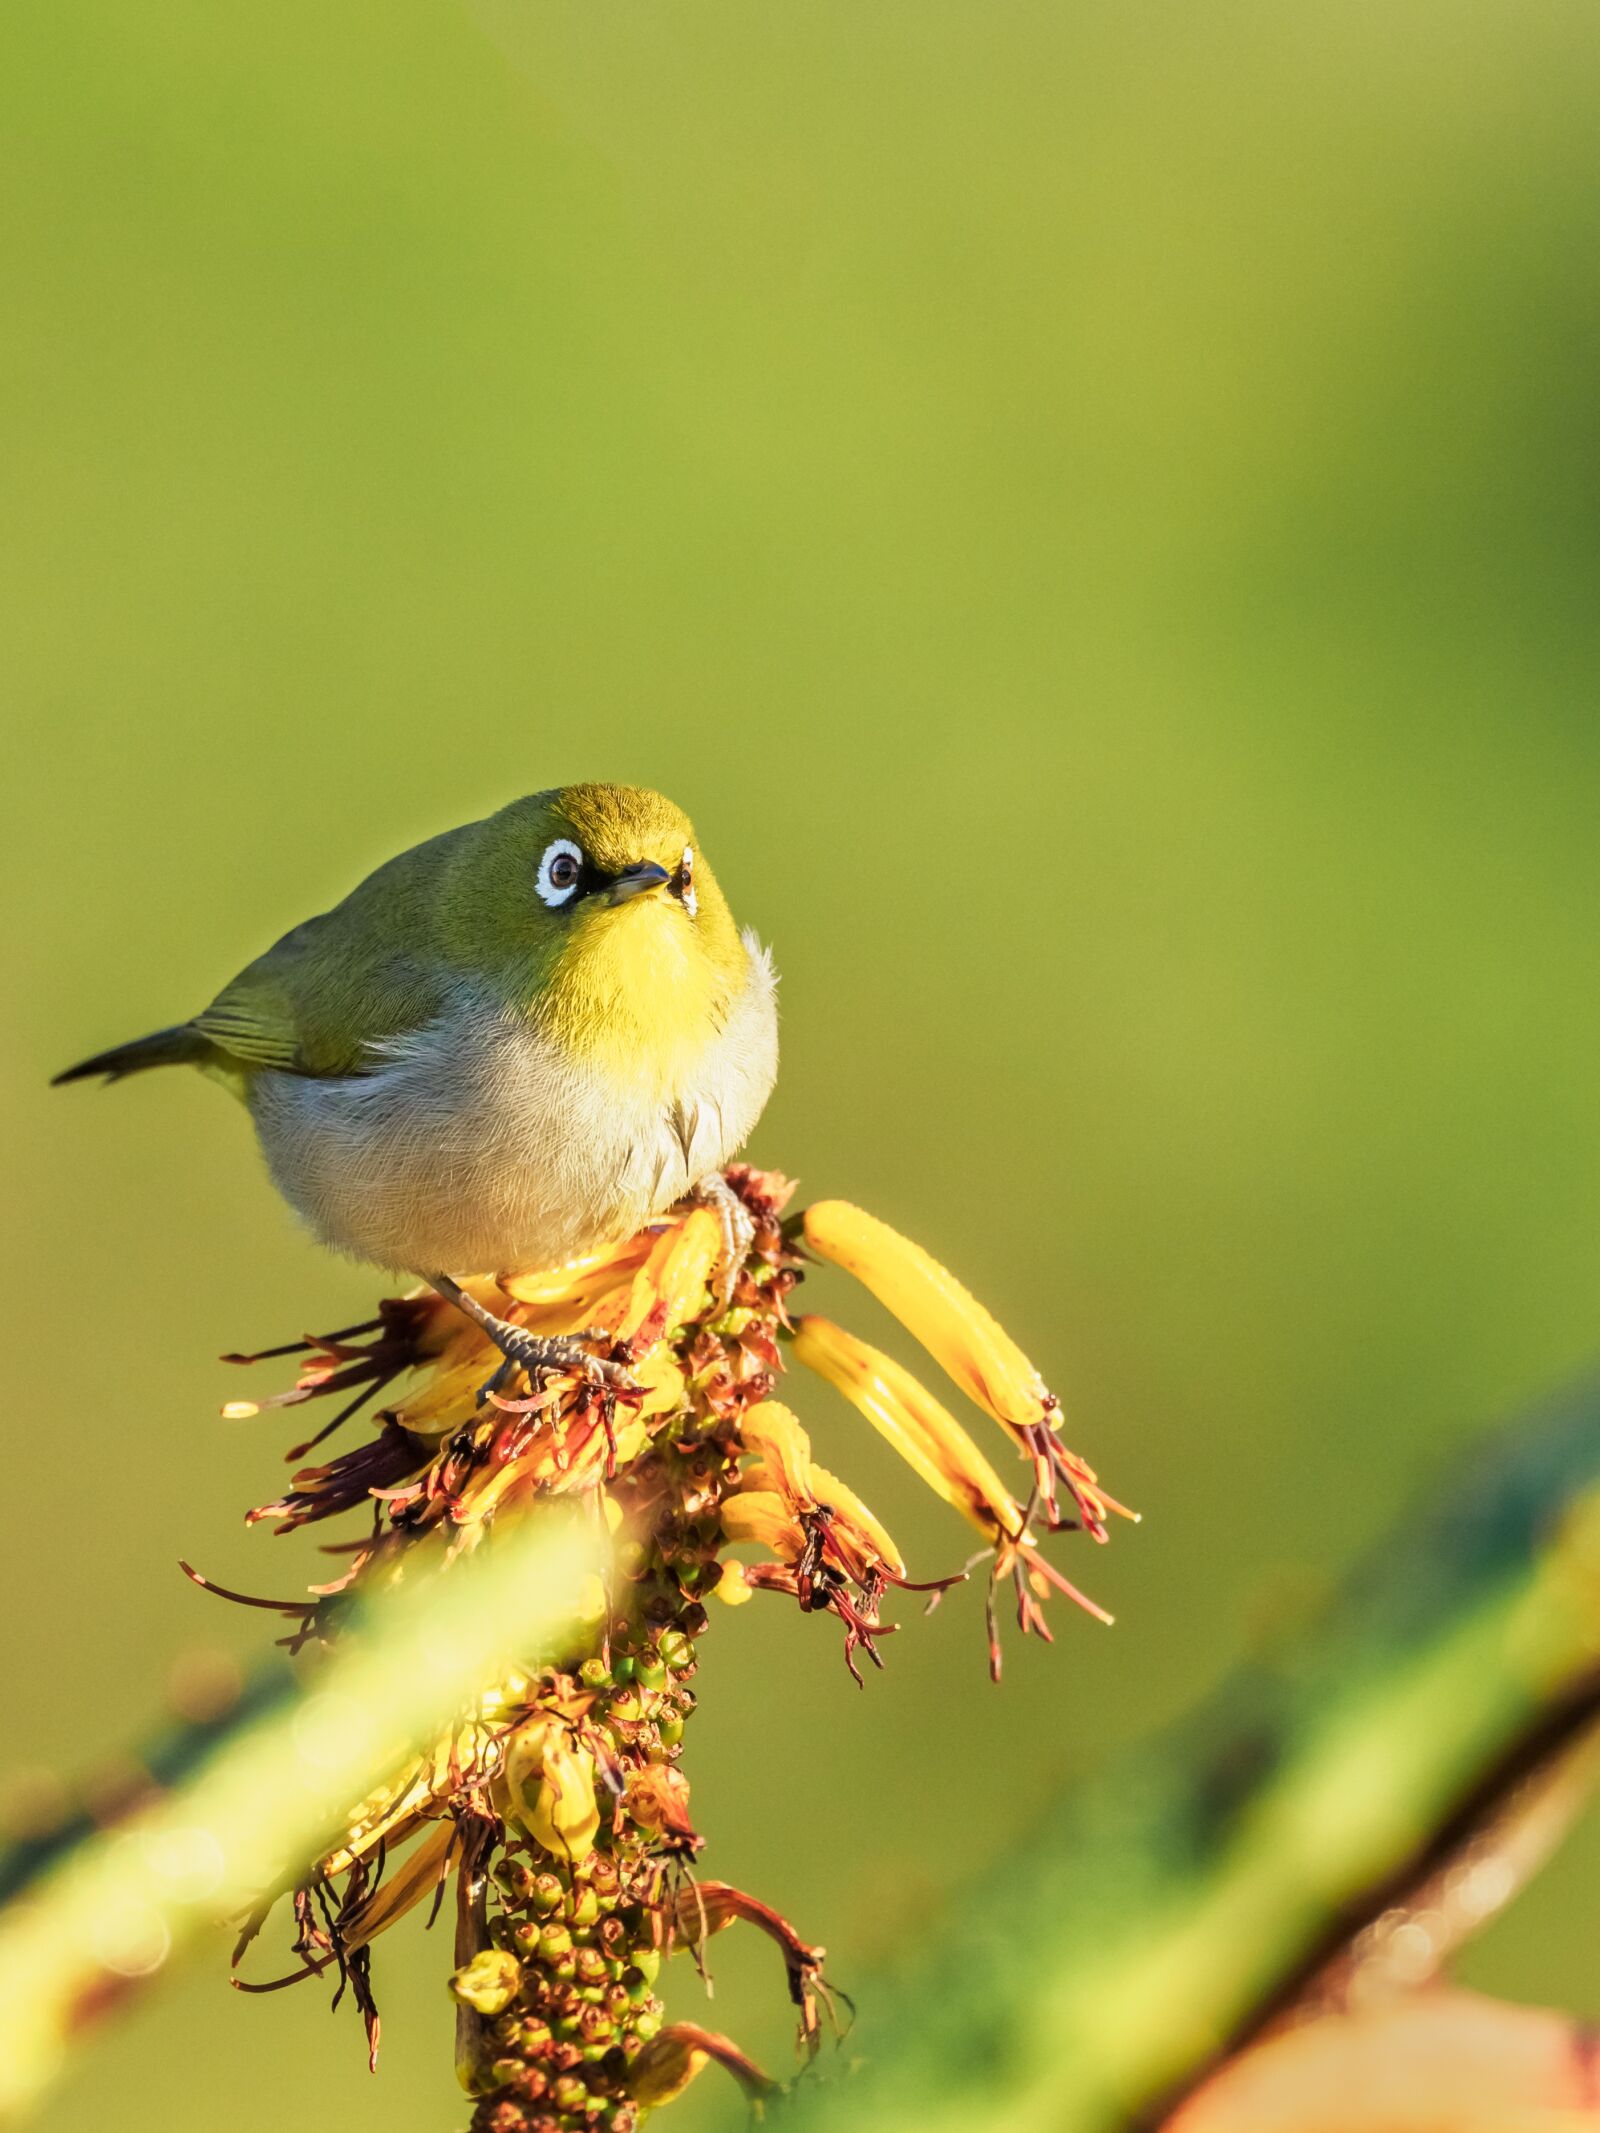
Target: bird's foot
pixel 542 1356
pixel 738 1233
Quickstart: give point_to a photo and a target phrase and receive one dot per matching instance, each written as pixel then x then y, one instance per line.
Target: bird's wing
pixel 327 997
pixel 321 1001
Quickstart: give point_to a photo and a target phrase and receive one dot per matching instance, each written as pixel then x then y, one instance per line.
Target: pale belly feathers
pixel 477 1147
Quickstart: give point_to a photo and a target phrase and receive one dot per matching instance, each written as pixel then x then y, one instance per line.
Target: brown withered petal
pixel 418 1875
pixel 670 2061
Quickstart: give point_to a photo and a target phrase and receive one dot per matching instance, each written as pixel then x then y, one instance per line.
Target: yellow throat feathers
pixel 640 995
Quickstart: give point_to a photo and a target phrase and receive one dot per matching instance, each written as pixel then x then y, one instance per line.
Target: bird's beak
pixel 634 881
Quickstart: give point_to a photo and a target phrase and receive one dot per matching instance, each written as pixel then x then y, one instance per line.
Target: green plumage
pixel 384 962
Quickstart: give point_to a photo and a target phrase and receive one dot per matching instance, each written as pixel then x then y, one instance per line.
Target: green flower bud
pixel 514 1877
pixel 530 2035
pixel 547 1893
pixel 584 1908
pixel 570 2093
pixel 596 2027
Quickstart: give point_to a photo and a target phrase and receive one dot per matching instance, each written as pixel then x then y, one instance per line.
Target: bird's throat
pixel 638 999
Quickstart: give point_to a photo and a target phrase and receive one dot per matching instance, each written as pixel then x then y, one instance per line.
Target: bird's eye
pixel 560 872
pixel 684 885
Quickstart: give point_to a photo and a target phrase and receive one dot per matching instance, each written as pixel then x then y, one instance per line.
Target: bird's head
pixel 596 906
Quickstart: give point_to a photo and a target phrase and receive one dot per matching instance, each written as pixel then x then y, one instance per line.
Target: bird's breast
pixel 487 1142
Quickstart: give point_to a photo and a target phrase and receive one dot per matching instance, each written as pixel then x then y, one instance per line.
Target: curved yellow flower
pixel 961 1336
pixel 903 1411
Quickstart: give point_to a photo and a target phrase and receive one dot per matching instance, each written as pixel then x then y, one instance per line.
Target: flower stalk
pixel 555 1805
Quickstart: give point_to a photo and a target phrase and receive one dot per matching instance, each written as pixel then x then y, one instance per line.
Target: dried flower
pixel 557 1804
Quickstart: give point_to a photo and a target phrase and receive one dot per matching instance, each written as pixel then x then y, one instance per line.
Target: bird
pixel 511 1044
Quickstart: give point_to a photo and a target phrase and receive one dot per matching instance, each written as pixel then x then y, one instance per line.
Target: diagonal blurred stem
pixel 256 1797
pixel 1172 1901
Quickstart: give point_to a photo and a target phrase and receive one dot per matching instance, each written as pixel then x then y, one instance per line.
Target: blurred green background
pixel 1094 510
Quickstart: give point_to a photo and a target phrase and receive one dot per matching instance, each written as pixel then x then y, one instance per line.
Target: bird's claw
pixel 542 1356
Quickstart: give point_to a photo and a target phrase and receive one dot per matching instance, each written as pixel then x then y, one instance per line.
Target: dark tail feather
pixel 168 1047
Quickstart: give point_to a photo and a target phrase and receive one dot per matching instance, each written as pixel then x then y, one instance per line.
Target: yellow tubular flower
pixel 773 1433
pixel 664 1384
pixel 929 1302
pixel 785 1473
pixel 670 1288
pixel 759 1516
pixel 903 1411
pixel 389 1813
pixel 852 1522
pixel 581 1281
pixel 962 1337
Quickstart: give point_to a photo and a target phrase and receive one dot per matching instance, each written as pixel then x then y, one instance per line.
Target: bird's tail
pixel 177 1046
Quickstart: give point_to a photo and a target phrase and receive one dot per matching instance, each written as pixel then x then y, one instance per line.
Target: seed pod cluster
pixel 581 1931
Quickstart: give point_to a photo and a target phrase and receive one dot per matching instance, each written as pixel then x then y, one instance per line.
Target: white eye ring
pixel 553 886
pixel 686 895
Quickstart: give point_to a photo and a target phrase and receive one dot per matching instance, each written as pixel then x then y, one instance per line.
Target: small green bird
pixel 512 1043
